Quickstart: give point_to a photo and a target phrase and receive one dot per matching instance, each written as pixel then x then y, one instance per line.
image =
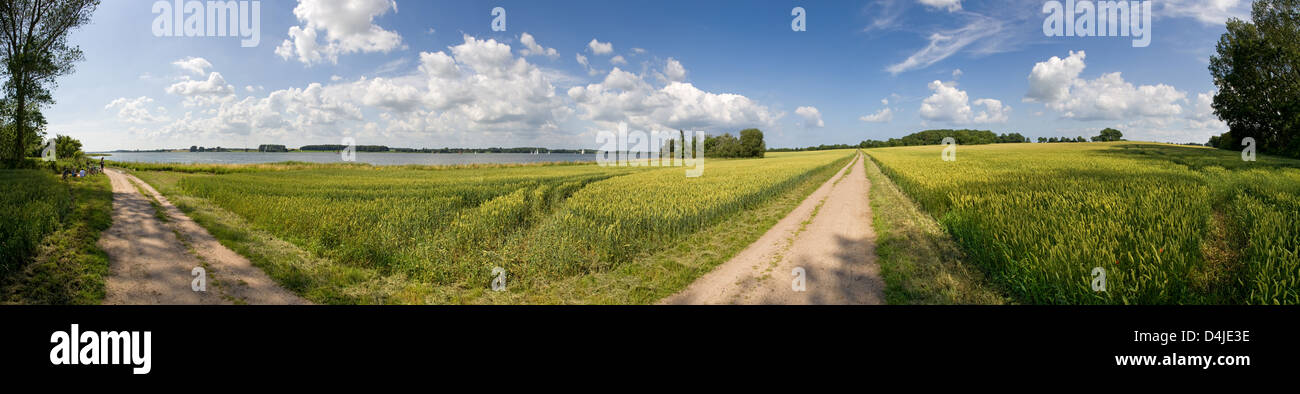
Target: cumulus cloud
pixel 475 91
pixel 947 104
pixel 952 105
pixel 347 27
pixel 1057 85
pixel 136 110
pixel 626 97
pixel 531 47
pixel 194 65
pixel 1051 80
pixel 811 116
pixel 215 85
pixel 994 111
pixel 1152 112
pixel 674 71
pixel 617 60
pixel 1202 114
pixel 600 48
pixel 884 115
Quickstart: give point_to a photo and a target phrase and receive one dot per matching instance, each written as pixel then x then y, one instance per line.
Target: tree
pixel 1108 134
pixel 33 141
pixel 35 51
pixel 66 147
pixel 751 143
pixel 1258 83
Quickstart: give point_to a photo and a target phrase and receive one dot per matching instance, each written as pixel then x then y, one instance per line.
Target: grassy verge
pixel 315 278
pixel 919 261
pixel 65 266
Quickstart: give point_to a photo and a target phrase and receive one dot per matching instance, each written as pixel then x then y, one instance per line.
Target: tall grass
pixel 1039 218
pixel 48 233
pixel 32 206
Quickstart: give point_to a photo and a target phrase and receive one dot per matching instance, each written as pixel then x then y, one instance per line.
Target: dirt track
pixel 149 264
pixel 836 251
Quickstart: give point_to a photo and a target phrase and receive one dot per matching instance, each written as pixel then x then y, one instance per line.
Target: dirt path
pixel 835 249
pixel 150 264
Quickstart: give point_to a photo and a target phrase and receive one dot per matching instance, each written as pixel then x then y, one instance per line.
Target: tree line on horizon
pixel 962 137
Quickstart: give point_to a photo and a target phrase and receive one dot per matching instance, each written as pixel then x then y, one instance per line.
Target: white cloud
pixel 956 73
pixel 136 110
pixel 194 65
pixel 811 116
pixel 994 111
pixel 950 5
pixel 215 85
pixel 674 71
pixel 1150 112
pixel 582 59
pixel 617 60
pixel 882 116
pixel 531 47
pixel 946 43
pixel 600 48
pixel 1057 85
pixel 476 92
pixel 348 27
pixel 1050 81
pixel 947 104
pixel 1202 114
pixel 627 97
pixel 952 105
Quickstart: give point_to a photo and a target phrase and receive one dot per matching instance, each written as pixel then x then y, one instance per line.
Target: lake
pixel 381 159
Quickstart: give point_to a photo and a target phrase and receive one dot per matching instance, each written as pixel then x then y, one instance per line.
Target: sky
pixel 436 73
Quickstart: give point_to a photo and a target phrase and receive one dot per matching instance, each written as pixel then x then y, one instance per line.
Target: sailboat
pixel 534 151
pixel 584 151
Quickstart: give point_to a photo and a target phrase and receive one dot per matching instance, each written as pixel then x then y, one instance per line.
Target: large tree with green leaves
pixel 35 51
pixel 1109 134
pixel 1256 72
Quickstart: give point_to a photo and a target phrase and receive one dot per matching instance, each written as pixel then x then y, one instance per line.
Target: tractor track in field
pixel 829 236
pixel 151 259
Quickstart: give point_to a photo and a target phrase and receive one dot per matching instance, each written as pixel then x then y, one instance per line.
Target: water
pixel 381 159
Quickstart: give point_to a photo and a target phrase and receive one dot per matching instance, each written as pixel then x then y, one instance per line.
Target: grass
pixel 48 234
pixel 420 235
pixel 919 262
pixel 1169 224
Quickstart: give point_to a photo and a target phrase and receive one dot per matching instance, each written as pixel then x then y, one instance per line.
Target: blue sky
pixel 435 73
